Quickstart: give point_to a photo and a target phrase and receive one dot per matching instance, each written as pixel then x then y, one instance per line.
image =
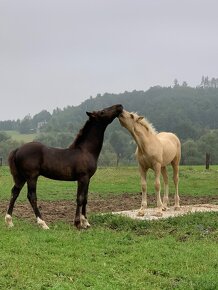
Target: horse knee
pixel 81 200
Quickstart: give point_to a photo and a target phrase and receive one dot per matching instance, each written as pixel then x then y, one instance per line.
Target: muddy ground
pixel 65 210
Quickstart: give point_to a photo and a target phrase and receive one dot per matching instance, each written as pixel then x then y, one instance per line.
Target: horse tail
pixel 12 163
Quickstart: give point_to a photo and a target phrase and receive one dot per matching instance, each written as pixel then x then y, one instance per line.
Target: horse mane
pixel 81 135
pixel 145 123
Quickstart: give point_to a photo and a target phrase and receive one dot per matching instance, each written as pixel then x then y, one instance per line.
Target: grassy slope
pixel 15 135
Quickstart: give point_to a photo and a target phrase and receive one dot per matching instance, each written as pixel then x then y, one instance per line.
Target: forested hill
pixel 191 113
pixel 183 110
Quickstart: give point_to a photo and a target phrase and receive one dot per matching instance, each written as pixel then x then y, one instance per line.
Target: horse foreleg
pixel 31 195
pixel 166 187
pixel 14 195
pixel 84 220
pixel 143 173
pixel 160 207
pixel 82 193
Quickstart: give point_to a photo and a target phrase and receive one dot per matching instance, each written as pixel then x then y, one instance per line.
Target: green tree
pixel 26 125
pixel 4 136
pixel 208 143
pixel 6 147
pixel 190 153
pixel 121 144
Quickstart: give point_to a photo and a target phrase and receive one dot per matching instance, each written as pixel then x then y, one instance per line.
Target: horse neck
pixel 142 138
pixel 90 138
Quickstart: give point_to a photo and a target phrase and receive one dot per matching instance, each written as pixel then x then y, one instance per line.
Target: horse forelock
pixel 144 123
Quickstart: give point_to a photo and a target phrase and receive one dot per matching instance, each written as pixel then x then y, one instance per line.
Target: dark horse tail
pixel 12 163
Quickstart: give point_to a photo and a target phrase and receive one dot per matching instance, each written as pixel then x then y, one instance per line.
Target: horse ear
pixel 140 118
pixel 89 114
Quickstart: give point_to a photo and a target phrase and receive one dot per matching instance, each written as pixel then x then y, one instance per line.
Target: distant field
pixel 21 137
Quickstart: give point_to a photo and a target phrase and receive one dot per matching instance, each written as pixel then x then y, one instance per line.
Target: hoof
pixel 177 208
pixel 42 224
pixel 158 214
pixel 165 208
pixel 141 212
pixel 8 221
pixel 77 224
pixel 84 223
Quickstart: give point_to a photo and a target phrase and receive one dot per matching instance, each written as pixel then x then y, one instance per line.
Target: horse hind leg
pixel 15 191
pixel 166 188
pixel 160 207
pixel 31 195
pixel 175 166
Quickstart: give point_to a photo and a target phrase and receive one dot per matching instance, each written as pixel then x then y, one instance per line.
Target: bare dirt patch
pixel 154 214
pixel 53 211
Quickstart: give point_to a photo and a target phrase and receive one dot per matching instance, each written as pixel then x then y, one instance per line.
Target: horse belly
pixel 58 173
pixel 70 169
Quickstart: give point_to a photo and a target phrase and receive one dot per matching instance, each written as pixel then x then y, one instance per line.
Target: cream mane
pixel 145 123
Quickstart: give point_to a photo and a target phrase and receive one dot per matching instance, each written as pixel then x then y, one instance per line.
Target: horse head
pixel 129 120
pixel 106 115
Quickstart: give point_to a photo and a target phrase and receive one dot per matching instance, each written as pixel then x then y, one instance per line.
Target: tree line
pixel 189 112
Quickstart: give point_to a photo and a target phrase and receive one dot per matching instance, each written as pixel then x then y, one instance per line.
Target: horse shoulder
pixel 151 154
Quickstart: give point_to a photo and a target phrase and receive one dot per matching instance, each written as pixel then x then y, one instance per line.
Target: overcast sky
pixel 55 53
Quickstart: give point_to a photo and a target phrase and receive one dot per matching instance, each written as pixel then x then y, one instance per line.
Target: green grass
pixel 194 181
pixel 116 252
pixel 15 135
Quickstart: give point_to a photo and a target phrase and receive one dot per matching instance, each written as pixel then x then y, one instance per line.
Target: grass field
pixel 15 135
pixel 194 180
pixel 116 252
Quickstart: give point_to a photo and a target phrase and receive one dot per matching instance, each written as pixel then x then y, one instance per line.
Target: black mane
pixel 83 132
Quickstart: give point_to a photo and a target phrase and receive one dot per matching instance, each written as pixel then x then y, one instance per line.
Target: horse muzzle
pixel 119 109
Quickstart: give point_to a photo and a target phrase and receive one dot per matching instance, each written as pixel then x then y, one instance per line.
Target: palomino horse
pixel 155 151
pixel 77 162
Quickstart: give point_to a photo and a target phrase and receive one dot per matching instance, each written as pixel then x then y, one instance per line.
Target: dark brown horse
pixel 78 163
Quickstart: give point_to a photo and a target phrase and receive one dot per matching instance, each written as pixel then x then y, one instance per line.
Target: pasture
pixel 116 252
pixel 15 135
